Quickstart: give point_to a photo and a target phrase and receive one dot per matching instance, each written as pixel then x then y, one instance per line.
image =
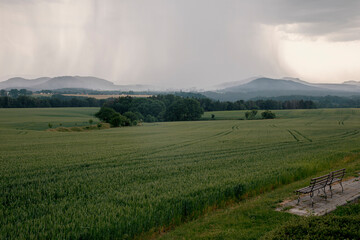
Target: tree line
pixel 212 105
pixel 155 106
pixel 24 101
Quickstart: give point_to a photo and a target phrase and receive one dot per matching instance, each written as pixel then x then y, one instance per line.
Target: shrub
pixel 115 119
pixel 125 121
pixel 250 115
pixel 341 224
pixel 328 227
pixel 130 115
pixel 150 118
pixel 106 114
pixel 139 116
pixel 268 115
pixel 119 120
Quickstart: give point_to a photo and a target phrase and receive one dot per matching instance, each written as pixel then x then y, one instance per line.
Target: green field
pixel 121 182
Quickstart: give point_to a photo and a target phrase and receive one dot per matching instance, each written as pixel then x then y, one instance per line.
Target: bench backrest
pixel 319 181
pixel 337 175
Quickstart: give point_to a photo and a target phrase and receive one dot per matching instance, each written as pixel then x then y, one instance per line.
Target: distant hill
pixel 235 83
pixel 352 82
pixel 268 84
pixel 18 82
pixel 267 87
pixel 76 82
pixel 46 83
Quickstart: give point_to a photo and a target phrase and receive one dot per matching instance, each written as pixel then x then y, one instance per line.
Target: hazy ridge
pixel 246 89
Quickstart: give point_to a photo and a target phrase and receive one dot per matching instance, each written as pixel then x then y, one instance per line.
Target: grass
pixel 124 182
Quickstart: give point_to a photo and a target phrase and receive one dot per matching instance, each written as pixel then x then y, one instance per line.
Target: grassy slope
pixel 120 182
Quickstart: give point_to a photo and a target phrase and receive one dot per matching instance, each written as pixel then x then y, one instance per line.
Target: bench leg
pixel 298 197
pixel 312 200
pixel 342 188
pixel 325 193
pixel 330 190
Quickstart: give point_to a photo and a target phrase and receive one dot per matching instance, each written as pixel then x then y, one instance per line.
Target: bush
pixel 130 115
pixel 328 227
pixel 124 121
pixel 268 115
pixel 115 119
pixel 150 118
pixel 106 114
pixel 250 115
pixel 120 120
pixel 343 223
pixel 139 116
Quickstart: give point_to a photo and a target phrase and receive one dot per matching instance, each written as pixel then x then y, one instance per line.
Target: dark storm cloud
pixel 335 20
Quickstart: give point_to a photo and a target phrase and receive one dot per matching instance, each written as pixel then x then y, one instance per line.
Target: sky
pixel 181 43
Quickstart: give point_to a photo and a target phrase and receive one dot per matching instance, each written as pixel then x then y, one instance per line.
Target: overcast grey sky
pixel 182 43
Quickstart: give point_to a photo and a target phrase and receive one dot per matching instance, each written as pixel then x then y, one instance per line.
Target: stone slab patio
pixel 323 206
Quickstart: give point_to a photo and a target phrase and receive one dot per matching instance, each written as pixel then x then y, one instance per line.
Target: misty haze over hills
pixel 246 89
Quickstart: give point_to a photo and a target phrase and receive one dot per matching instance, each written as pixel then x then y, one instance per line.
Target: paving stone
pixel 323 205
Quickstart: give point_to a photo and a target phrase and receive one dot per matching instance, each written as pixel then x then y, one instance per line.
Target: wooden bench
pixel 320 183
pixel 315 184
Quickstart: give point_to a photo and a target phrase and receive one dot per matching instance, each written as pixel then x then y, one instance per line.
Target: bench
pixel 320 183
pixel 315 184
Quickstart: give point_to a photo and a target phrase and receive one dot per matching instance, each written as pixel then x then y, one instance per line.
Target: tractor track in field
pixel 349 134
pixel 305 137
pixel 298 136
pixel 293 135
pixel 192 142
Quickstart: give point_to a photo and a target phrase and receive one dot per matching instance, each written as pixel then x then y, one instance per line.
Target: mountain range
pixel 46 83
pixel 246 89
